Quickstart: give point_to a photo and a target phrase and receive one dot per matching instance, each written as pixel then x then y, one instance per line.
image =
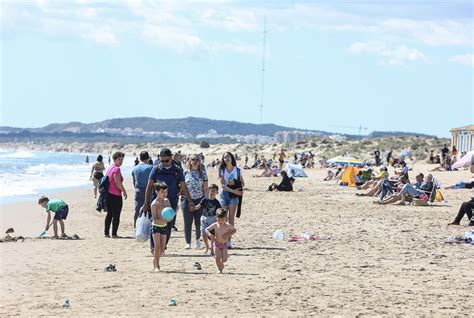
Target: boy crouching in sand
pixel 224 232
pixel 60 209
pixel 158 228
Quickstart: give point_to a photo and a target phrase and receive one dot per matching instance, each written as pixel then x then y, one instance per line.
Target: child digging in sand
pixel 209 207
pixel 60 209
pixel 159 229
pixel 223 232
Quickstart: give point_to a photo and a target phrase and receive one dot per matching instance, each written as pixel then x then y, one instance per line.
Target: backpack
pixel 104 184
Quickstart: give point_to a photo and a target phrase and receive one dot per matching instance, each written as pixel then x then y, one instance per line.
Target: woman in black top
pixel 286 183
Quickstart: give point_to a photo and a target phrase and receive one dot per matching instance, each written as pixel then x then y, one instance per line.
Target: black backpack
pixel 104 184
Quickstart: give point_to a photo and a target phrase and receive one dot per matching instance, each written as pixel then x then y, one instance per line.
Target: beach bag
pixel 103 184
pixel 142 230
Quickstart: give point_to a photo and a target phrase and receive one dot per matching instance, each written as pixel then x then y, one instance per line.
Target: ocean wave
pixel 16 154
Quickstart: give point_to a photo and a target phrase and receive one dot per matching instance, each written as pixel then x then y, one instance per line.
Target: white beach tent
pixel 464 161
pixel 295 170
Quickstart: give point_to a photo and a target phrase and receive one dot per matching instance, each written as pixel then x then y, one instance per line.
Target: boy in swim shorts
pixel 223 232
pixel 60 210
pixel 158 228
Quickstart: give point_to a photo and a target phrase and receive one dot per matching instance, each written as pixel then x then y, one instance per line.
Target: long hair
pixel 234 163
pixel 189 165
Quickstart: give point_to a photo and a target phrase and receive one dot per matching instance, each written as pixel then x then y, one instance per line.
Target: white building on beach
pixel 463 138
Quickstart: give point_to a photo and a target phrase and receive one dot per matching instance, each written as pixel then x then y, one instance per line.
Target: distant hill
pixel 173 130
pixel 190 125
pixel 379 134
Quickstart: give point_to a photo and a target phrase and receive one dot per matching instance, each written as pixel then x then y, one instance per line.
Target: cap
pixel 165 152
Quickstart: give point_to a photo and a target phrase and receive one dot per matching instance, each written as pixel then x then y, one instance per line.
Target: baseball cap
pixel 165 152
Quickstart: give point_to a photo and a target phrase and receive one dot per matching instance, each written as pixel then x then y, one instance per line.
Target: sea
pixel 26 175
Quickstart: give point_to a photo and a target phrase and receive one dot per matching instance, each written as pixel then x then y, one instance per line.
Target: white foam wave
pixel 17 154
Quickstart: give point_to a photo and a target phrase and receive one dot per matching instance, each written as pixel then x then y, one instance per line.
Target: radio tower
pixel 263 69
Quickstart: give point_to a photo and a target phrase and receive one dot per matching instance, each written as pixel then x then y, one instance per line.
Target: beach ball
pixel 168 214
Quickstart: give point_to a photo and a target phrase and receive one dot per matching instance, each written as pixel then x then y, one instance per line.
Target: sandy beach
pixel 370 260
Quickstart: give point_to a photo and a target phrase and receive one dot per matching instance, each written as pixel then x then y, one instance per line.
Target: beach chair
pixel 433 195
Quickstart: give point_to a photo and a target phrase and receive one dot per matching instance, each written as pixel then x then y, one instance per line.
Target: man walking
pixel 172 174
pixel 140 175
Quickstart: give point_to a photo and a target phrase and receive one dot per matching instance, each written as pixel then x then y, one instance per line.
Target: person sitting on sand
pixel 286 183
pixel 467 207
pixel 159 228
pixel 266 173
pixel 409 190
pixel 223 232
pixel 97 172
pixel 330 176
pixel 60 210
pixel 373 182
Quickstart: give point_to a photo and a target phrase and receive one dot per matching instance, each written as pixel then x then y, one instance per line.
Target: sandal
pixel 110 268
pixel 197 266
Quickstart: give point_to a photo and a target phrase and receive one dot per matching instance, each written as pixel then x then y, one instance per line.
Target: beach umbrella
pixel 346 160
pixel 404 154
pixel 464 161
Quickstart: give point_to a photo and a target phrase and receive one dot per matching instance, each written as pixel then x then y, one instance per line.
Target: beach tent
pixel 404 154
pixel 346 160
pixel 464 161
pixel 295 170
pixel 349 176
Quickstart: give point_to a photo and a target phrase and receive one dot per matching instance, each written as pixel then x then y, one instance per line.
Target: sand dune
pixel 371 260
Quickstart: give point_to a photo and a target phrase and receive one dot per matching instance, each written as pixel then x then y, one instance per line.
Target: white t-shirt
pixel 231 175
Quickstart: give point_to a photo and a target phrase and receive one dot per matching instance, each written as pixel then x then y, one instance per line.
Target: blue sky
pixel 397 65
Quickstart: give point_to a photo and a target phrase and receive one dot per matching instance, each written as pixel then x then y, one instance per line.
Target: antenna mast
pixel 263 69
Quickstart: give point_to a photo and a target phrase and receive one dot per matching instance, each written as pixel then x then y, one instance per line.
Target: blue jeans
pixel 189 218
pixel 409 189
pixel 139 200
pixel 227 200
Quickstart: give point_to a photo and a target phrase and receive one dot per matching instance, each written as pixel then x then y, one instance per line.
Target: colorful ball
pixel 168 214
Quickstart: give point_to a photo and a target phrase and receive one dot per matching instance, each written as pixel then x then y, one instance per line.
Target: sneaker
pixel 229 245
pixel 198 245
pixel 187 246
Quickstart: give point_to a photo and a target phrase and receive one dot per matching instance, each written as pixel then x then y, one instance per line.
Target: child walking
pixel 209 207
pixel 60 210
pixel 158 228
pixel 223 232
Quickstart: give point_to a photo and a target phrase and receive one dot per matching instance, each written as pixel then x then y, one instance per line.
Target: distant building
pixel 287 137
pixel 463 138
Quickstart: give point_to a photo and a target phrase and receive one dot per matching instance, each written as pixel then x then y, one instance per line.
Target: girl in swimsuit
pixel 97 172
pixel 223 232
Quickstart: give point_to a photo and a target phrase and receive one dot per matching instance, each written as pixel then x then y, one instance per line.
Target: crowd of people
pixel 181 180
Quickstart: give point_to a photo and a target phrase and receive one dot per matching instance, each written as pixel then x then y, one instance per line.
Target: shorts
pixel 207 221
pixel 159 230
pixel 220 246
pixel 227 200
pixel 62 213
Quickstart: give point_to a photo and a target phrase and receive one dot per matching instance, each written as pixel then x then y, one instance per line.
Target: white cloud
pixel 172 38
pixel 466 59
pixel 189 25
pixel 392 56
pixel 101 36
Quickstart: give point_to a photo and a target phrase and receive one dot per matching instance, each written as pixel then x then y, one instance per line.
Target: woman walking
pixel 97 172
pixel 228 171
pixel 114 197
pixel 196 181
